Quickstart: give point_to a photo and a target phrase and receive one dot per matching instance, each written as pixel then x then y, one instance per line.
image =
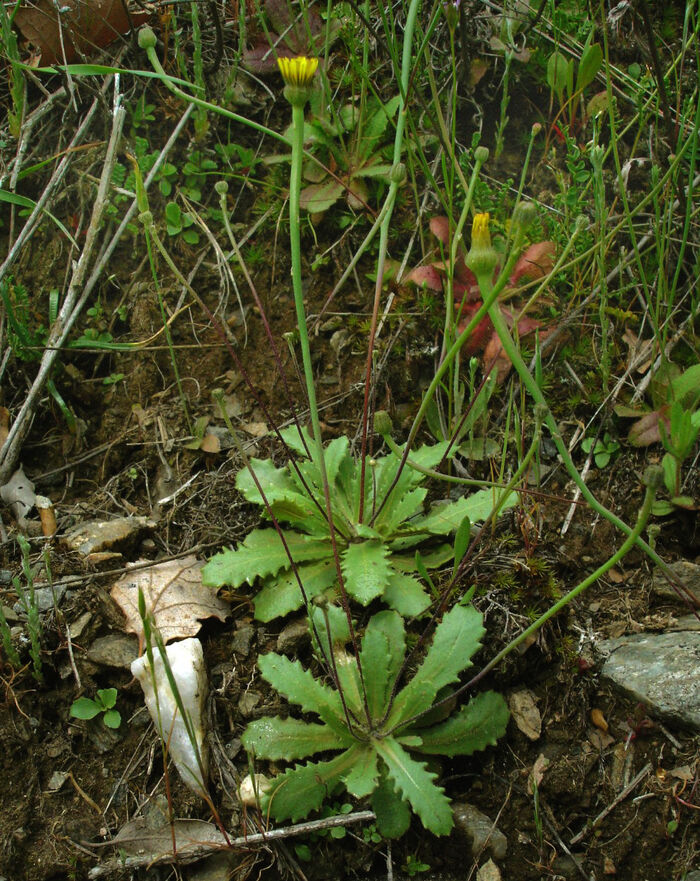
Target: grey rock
pixel 114 650
pixel 293 637
pixel 248 702
pixel 107 535
pixel 660 670
pixel 687 622
pixel 242 638
pixel 44 597
pixel 687 572
pixel 693 876
pixel 480 830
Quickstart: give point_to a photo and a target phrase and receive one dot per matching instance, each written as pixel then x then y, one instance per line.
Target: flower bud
pixel 382 423
pixel 398 173
pixel 147 38
pixel 481 154
pixel 653 477
pixel 221 187
pixel 523 216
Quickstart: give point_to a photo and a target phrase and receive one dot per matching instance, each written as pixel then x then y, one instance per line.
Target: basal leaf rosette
pixel 378 734
pixel 377 558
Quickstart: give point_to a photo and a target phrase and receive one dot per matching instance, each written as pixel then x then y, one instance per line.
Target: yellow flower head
pixel 481 237
pixel 298 72
pixel 482 258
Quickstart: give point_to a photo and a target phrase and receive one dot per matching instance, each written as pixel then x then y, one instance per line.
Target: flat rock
pixel 687 572
pixel 660 670
pixel 114 650
pixel 294 637
pixel 96 536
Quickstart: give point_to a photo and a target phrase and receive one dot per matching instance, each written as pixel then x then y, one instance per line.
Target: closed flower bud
pixel 398 173
pixel 382 423
pixel 147 38
pixel 523 216
pixel 221 187
pixel 481 154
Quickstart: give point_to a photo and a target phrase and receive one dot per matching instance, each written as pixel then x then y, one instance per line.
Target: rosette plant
pixel 376 552
pixel 375 725
pixel 534 262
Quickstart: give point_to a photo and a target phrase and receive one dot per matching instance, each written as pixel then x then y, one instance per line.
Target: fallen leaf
pixel 174 595
pixel 83 28
pixel 18 494
pixel 537 773
pixel 525 713
pixel 598 719
pixel 138 837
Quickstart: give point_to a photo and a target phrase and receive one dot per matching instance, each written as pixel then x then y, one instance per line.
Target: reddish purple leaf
pixel 535 262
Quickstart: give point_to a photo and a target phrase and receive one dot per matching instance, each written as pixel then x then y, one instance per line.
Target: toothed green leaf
pixel 366 570
pixel 275 738
pixel 300 687
pixel 443 519
pixel 294 441
pixel 302 789
pixel 393 814
pixel 417 786
pixel 383 649
pixel 281 594
pixel 362 779
pixel 456 639
pixel 406 595
pixel 261 554
pixel 477 725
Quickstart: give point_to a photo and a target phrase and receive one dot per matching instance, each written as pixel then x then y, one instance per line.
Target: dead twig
pixel 74 301
pixel 197 852
pixel 621 796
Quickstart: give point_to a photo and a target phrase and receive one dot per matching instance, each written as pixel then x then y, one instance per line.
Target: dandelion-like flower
pixel 482 258
pixel 298 72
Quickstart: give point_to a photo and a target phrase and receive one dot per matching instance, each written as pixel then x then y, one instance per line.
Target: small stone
pixel 114 650
pixel 294 637
pixel 119 534
pixel 77 628
pixel 56 781
pixel 248 703
pixel 489 872
pixel 242 638
pixel 45 598
pixel 480 830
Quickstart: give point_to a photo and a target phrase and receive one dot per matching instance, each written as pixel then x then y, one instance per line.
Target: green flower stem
pixel 206 105
pixel 527 379
pixel 480 157
pixel 406 68
pixel 295 250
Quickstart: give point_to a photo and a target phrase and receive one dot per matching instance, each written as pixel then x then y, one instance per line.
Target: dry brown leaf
pixel 525 713
pixel 598 719
pixel 210 444
pixel 174 595
pixel 83 28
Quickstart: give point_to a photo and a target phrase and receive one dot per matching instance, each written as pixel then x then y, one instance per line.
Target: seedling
pixel 603 449
pixel 561 72
pixel 105 700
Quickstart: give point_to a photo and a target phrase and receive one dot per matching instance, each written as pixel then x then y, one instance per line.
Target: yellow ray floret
pixel 481 237
pixel 298 71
